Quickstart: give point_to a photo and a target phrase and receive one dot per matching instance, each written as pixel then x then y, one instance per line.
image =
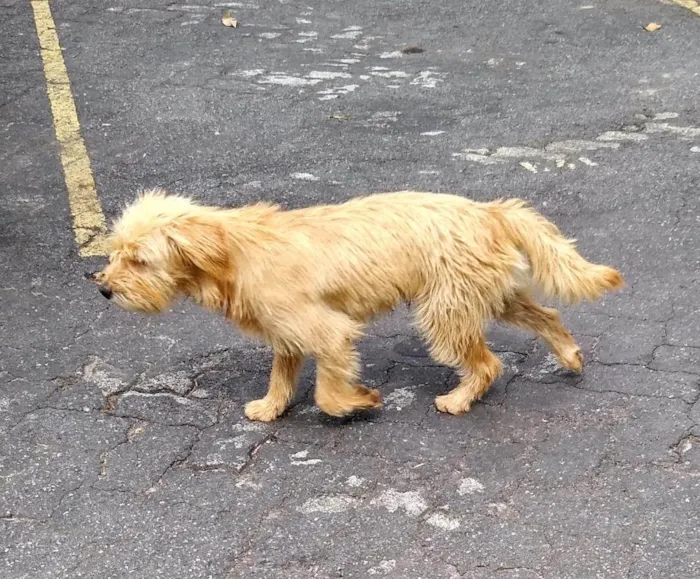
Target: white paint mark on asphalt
pixel 587 161
pixel 411 502
pixel 335 92
pixel 385 567
pixel 302 21
pixel 355 481
pixel 388 73
pixel 300 458
pixel 428 172
pixel 187 8
pixel 477 158
pixel 327 75
pixel 328 504
pixel 248 427
pixel 309 34
pixel 248 5
pixel 688 132
pixel 351 32
pixel 400 398
pixel 695 149
pixel 394 54
pixel 665 116
pixel 528 166
pixel 238 442
pixel 469 486
pixel 287 80
pixel 270 35
pixel 578 145
pixel 561 152
pixel 621 136
pixel 304 176
pixel 432 133
pixel 250 73
pixel 382 119
pixel 427 79
pixel 245 483
pixel 443 522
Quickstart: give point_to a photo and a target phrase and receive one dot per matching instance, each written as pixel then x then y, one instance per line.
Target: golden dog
pixel 308 280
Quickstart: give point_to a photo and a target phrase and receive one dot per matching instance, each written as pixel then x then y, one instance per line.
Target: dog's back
pixel 398 246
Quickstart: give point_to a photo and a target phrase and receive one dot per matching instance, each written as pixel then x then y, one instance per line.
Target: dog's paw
pixel 367 397
pixel 360 398
pixel 262 410
pixel 572 360
pixel 452 404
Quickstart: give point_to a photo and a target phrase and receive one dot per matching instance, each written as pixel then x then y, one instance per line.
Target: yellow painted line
pixel 88 219
pixel 691 5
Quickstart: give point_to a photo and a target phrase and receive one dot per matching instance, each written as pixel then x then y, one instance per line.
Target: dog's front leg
pixel 337 392
pixel 283 381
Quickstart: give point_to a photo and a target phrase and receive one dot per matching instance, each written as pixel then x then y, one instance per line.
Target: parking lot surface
pixel 124 451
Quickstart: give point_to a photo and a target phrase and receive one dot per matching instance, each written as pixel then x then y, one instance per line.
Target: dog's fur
pixel 308 280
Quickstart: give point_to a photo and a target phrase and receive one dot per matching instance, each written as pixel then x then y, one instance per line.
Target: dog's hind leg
pixel 525 313
pixel 478 369
pixel 456 339
pixel 283 379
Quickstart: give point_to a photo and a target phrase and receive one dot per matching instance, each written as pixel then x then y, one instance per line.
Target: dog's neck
pixel 247 229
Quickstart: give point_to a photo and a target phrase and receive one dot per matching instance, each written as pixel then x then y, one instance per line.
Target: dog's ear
pixel 203 243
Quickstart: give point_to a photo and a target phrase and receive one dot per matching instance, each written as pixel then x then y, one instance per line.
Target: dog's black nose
pixel 106 291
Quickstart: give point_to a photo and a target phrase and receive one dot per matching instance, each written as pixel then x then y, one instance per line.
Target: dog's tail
pixel 557 268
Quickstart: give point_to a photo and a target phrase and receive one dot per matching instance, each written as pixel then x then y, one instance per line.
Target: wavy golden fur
pixel 308 280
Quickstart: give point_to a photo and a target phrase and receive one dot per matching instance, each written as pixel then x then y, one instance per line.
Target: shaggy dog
pixel 308 280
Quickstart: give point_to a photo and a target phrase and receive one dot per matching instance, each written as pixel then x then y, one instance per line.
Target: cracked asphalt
pixel 124 451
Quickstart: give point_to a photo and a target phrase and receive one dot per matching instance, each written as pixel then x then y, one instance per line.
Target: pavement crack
pixel 255 448
pixel 178 460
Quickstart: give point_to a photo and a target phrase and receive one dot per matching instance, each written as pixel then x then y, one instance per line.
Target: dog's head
pixel 163 246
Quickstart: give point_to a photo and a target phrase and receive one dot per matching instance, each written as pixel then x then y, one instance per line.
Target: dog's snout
pixel 106 291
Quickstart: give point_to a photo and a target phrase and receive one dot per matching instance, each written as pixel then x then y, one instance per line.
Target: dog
pixel 308 280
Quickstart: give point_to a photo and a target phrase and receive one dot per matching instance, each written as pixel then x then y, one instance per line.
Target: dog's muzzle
pixel 106 291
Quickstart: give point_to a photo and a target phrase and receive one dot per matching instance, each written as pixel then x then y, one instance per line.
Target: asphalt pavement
pixel 124 451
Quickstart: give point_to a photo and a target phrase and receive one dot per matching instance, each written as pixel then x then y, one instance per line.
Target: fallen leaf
pixel 228 20
pixel 413 50
pixel 652 27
